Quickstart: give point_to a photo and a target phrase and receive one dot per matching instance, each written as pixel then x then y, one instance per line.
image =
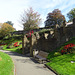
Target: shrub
pixel 8 46
pixel 2 44
pixel 57 54
pixel 73 50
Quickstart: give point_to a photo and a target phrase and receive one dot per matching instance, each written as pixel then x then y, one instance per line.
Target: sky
pixel 11 10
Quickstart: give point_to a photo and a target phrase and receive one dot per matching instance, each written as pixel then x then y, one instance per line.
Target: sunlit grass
pixel 62 64
pixel 6 64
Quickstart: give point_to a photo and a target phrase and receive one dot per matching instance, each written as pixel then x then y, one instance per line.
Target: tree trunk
pixel 31 51
pixel 23 52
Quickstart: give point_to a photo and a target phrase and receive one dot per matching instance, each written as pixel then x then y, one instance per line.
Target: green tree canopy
pixel 30 19
pixel 9 22
pixel 54 17
pixel 71 14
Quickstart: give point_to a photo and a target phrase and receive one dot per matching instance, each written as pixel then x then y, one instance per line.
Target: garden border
pixel 51 69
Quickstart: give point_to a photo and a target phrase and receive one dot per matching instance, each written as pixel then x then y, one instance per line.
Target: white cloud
pixel 18 26
pixel 67 4
pixel 12 9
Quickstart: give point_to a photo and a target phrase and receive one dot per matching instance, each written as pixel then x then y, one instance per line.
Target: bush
pixel 57 54
pixel 73 50
pixel 8 47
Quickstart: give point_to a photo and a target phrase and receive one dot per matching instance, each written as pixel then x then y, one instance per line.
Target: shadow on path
pixel 26 65
pixel 20 55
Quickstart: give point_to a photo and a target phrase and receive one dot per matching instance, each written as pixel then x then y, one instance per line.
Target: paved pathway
pixel 27 65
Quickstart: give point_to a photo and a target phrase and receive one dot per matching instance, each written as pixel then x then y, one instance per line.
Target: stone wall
pixel 25 45
pixel 50 40
pixel 44 43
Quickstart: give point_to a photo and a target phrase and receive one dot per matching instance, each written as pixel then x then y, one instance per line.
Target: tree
pixel 71 14
pixel 5 29
pixel 30 19
pixel 9 22
pixel 55 17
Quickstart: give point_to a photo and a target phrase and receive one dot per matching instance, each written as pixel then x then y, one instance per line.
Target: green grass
pixel 62 64
pixel 6 64
pixel 43 31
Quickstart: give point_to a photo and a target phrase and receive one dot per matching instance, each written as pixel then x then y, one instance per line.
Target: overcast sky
pixel 10 10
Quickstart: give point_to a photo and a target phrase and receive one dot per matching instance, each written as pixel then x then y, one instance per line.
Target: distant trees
pixel 30 19
pixel 5 29
pixel 9 22
pixel 55 17
pixel 71 14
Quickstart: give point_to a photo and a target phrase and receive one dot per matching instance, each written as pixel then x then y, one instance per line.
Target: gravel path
pixel 27 65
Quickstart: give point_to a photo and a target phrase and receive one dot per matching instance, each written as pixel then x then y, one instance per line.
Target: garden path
pixel 27 65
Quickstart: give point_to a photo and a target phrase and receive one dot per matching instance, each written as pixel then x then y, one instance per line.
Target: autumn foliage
pixel 54 17
pixel 5 28
pixel 30 19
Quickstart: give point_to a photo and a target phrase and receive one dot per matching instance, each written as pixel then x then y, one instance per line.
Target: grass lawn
pixel 6 64
pixel 62 64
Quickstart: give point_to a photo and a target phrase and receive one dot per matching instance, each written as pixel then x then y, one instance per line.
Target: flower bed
pixel 67 48
pixel 16 44
pixel 2 44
